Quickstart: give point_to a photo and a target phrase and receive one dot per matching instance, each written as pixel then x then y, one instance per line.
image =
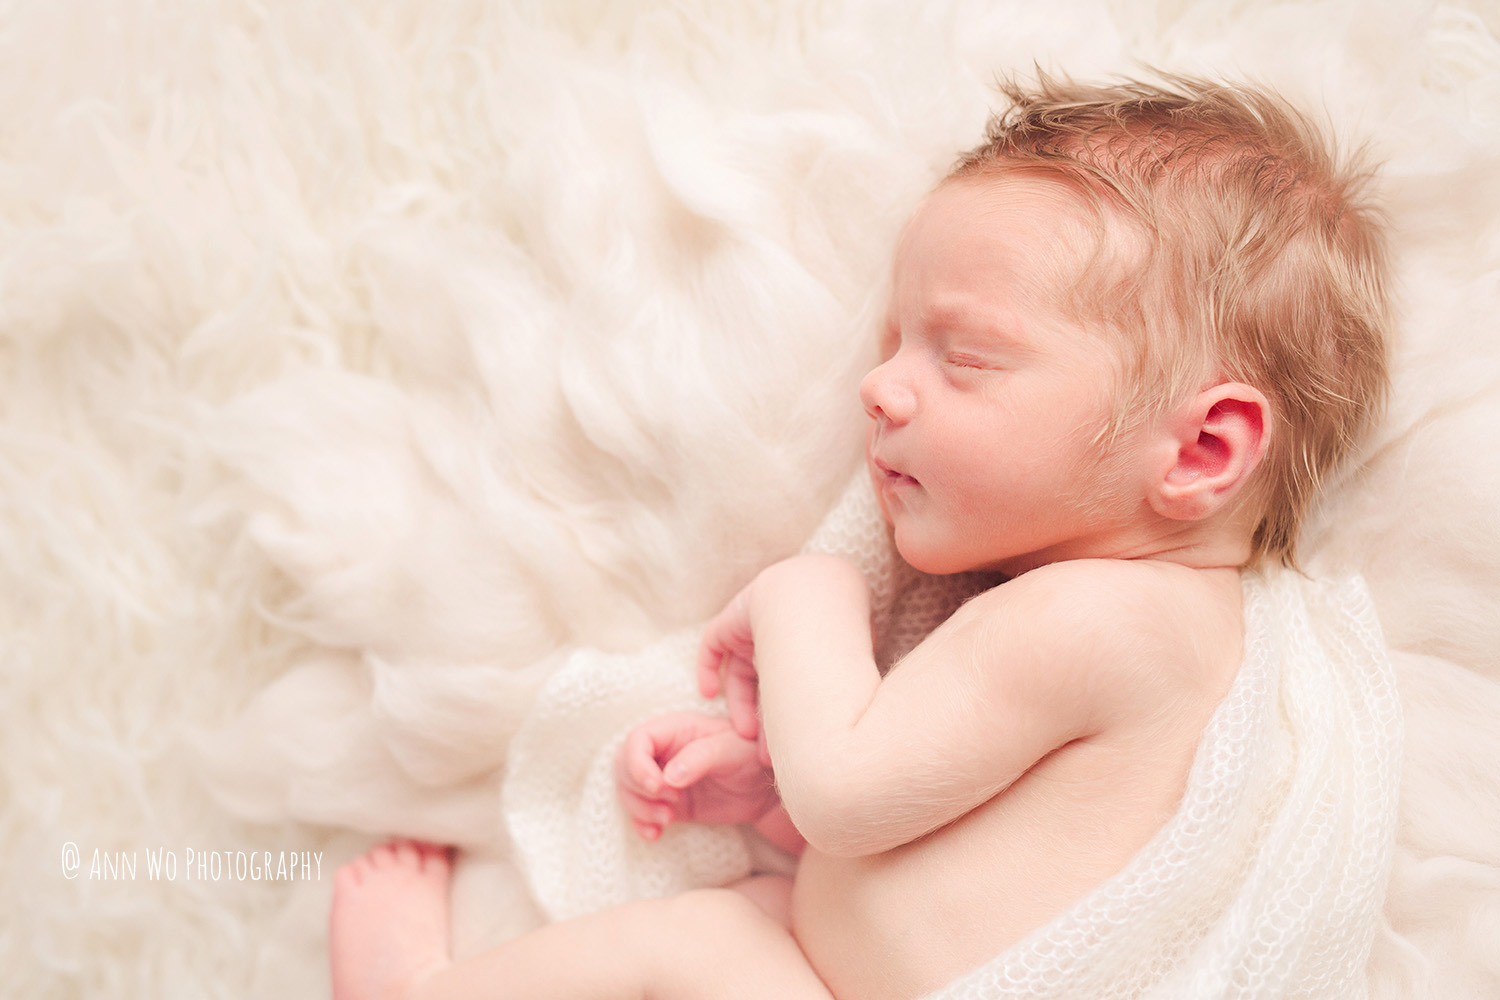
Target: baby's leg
pixel 702 945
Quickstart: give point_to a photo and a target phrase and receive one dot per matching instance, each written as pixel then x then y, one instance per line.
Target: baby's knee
pixel 728 945
pixel 771 893
pixel 715 916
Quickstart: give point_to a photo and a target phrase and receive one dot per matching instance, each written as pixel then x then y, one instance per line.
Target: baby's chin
pixel 930 556
pixel 918 553
pixel 923 558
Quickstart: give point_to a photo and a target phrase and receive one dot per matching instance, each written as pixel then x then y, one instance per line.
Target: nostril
pixel 886 395
pixel 869 393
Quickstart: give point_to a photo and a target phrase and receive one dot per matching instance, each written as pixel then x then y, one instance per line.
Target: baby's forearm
pixel 814 657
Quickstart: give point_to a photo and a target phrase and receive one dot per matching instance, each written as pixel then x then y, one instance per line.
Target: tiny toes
pixel 436 858
pixel 382 856
pixel 388 925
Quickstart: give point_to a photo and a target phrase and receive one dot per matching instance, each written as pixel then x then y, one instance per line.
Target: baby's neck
pixel 1217 551
pixel 1195 546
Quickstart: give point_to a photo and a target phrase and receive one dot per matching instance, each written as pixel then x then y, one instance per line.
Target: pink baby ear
pixel 1211 467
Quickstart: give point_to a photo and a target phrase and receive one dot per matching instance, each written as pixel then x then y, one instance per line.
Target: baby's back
pixel 1167 642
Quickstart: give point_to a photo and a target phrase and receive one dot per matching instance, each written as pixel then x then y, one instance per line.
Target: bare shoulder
pixel 1122 630
pixel 1093 593
pixel 1081 590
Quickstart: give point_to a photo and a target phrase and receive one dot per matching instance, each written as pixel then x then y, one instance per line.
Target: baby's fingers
pixel 726 636
pixel 636 768
pixel 710 666
pixel 721 753
pixel 648 817
pixel 742 696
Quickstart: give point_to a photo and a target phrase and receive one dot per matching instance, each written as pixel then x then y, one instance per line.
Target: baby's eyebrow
pixel 996 328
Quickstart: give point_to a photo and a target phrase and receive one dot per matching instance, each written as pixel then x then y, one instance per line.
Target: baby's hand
pixel 685 766
pixel 726 662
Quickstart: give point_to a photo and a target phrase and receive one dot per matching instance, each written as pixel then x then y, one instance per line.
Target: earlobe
pixel 1218 440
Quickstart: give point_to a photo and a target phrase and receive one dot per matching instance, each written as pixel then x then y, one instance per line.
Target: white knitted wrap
pixel 1267 882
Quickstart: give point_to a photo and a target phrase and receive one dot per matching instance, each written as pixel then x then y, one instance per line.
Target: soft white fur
pixel 360 357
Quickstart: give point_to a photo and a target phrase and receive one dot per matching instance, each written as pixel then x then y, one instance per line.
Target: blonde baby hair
pixel 1258 256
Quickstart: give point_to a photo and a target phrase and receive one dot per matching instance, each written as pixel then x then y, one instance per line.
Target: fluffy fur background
pixel 357 357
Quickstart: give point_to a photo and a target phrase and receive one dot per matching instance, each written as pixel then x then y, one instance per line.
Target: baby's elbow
pixel 847 844
pixel 838 840
pixel 836 819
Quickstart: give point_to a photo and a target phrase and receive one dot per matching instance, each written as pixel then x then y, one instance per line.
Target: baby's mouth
pixel 894 478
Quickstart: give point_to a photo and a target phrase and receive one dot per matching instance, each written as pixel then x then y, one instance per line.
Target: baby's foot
pixel 388 930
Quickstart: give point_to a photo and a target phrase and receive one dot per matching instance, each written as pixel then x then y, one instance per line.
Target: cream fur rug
pixel 359 357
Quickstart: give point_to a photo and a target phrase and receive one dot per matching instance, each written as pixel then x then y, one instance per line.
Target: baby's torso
pixel 905 922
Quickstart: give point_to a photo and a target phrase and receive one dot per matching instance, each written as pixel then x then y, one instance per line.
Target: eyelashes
pixel 893 341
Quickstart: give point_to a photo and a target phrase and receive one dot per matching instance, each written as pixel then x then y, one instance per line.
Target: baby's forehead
pixel 1006 197
pixel 1026 234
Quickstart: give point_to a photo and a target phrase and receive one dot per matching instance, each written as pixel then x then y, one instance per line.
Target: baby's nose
pixel 885 394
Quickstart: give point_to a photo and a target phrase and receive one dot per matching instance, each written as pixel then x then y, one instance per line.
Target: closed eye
pixel 966 361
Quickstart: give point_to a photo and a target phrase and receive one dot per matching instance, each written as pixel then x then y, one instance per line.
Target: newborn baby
pixel 1127 338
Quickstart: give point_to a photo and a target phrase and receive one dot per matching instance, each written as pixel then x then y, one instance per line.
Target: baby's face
pixel 984 414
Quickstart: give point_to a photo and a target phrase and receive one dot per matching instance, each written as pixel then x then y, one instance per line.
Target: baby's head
pixel 1216 241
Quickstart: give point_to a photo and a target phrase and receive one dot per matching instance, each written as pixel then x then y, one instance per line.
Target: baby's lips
pixel 889 472
pixel 894 476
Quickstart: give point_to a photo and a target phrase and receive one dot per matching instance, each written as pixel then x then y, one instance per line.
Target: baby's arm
pixel 865 764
